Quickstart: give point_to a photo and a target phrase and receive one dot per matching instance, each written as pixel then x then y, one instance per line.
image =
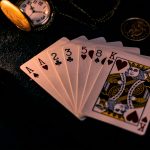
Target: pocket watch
pixel 29 14
pixel 15 15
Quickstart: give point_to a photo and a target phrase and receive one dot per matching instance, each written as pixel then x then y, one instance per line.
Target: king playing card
pixel 123 98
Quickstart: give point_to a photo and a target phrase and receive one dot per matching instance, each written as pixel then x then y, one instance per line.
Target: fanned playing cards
pixel 97 79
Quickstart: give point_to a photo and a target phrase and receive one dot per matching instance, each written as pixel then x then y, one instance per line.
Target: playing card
pixel 115 43
pixel 34 73
pixel 45 65
pixel 56 56
pixel 100 40
pixel 99 58
pixel 90 76
pixel 70 53
pixel 79 39
pixel 71 56
pixel 97 40
pixel 84 61
pixel 95 67
pixel 121 93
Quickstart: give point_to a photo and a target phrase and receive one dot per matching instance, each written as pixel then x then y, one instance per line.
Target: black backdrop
pixel 29 117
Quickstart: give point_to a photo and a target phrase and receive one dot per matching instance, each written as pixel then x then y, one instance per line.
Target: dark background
pixel 29 117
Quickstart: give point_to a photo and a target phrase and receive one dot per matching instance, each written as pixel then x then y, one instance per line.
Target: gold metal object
pixel 14 14
pixel 29 15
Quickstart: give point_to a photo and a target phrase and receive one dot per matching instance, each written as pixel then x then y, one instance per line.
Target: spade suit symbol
pixel 91 52
pixel 96 60
pixel 35 75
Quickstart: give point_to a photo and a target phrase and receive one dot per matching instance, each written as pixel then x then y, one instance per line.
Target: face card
pixel 121 94
pixel 95 68
pixel 90 76
pixel 97 63
pixel 34 73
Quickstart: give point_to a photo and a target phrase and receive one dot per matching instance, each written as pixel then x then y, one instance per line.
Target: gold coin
pixel 135 29
pixel 14 14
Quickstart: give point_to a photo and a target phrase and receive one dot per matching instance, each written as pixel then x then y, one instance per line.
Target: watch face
pixel 39 11
pixel 14 14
